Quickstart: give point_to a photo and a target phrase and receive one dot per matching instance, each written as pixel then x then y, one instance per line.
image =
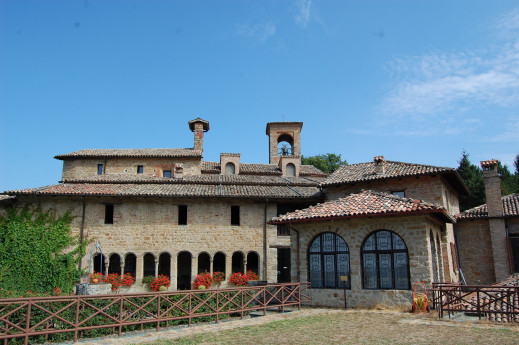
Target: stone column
pixel 194 268
pixel 174 272
pixel 156 267
pixel 139 273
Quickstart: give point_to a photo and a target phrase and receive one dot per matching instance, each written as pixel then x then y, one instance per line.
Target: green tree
pixel 37 251
pixel 327 163
pixel 508 181
pixel 472 175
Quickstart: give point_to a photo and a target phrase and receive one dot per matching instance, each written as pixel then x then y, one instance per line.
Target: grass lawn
pixel 360 327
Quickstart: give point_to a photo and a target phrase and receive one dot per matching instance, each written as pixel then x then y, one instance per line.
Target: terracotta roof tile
pixel 364 204
pixel 134 153
pixel 364 172
pixel 510 209
pixel 175 190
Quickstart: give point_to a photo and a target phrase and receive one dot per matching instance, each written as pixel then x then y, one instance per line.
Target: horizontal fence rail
pixel 495 303
pixel 41 319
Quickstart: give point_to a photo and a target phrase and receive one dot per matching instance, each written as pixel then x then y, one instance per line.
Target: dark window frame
pixel 378 253
pixel 235 215
pixel 339 284
pixel 166 172
pixel 100 169
pixel 140 169
pixel 109 213
pixel 182 214
pixel 397 192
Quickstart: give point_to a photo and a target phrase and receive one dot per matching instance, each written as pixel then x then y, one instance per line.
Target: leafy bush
pixel 38 252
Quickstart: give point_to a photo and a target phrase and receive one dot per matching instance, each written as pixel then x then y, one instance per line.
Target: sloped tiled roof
pixel 175 190
pixel 364 204
pixel 365 172
pixel 261 169
pixel 510 209
pixel 200 179
pixel 133 153
pixel 6 198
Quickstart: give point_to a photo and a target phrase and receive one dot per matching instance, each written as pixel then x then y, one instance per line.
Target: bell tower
pixel 284 140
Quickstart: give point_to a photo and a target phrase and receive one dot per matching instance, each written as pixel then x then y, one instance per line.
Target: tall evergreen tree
pixel 472 175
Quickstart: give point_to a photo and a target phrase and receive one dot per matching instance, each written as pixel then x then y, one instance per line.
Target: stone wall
pixel 81 168
pixel 413 230
pixel 150 225
pixel 475 252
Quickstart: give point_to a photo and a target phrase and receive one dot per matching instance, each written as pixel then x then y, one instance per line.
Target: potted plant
pixel 161 283
pixel 95 277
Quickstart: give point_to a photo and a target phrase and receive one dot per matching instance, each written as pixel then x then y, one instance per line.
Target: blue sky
pixel 415 81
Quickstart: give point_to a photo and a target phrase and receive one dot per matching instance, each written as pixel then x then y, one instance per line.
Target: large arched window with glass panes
pixel 385 262
pixel 329 262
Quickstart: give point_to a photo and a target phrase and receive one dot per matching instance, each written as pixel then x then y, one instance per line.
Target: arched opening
pixel 204 263
pixel 130 264
pixel 114 265
pixel 253 262
pixel 285 145
pixel 219 263
pixel 385 262
pixel 433 257
pixel 149 264
pixel 328 261
pixel 237 262
pixel 230 169
pixel 291 170
pixel 184 271
pixel 165 264
pixel 439 255
pixel 99 263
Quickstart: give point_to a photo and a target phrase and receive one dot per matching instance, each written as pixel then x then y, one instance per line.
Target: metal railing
pixel 39 319
pixel 495 303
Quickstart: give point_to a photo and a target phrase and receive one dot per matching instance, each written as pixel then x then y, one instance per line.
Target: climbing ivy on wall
pixel 38 252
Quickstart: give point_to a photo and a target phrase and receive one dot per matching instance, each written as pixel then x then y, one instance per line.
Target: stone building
pixel 375 228
pixel 384 226
pixel 488 235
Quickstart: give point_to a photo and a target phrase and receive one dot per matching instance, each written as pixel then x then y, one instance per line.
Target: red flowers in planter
pixel 205 279
pixel 125 280
pixel 161 280
pixel 240 279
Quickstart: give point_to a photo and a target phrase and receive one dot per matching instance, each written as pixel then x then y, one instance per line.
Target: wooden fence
pixel 62 318
pixel 495 303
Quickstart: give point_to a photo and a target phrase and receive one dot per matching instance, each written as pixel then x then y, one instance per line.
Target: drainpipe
pixel 265 240
pixel 82 229
pixel 298 260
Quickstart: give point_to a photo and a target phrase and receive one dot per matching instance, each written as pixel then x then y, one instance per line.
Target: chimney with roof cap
pixel 496 221
pixel 199 126
pixel 380 165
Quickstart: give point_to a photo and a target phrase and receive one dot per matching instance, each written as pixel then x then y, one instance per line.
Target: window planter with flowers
pixel 95 277
pixel 204 280
pixel 240 279
pixel 161 283
pixel 126 280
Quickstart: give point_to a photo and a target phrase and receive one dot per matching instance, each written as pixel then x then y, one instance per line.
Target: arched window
pixel 165 264
pixel 130 264
pixel 328 261
pixel 149 264
pixel 285 145
pixel 253 262
pixel 291 170
pixel 99 263
pixel 219 263
pixel 114 265
pixel 433 257
pixel 237 262
pixel 230 168
pixel 439 255
pixel 204 263
pixel 385 262
pixel 184 271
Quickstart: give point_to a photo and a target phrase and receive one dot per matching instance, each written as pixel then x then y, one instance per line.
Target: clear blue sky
pixel 415 81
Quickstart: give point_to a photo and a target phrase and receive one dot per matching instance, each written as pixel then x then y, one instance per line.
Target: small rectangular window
pixel 399 193
pixel 100 169
pixel 140 169
pixel 235 215
pixel 182 214
pixel 166 173
pixel 109 214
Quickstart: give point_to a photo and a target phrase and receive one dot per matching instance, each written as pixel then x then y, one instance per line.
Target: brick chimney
pixel 380 165
pixel 199 126
pixel 496 221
